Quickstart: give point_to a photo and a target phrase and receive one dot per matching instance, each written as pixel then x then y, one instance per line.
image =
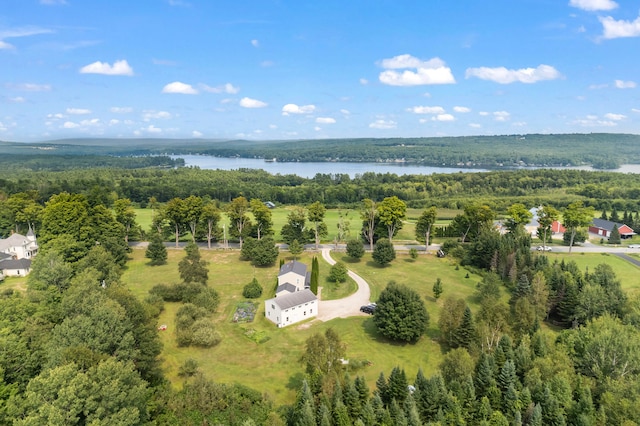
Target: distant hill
pixel 600 150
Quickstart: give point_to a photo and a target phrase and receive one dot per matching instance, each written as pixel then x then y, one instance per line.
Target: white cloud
pixel 592 5
pixel 30 87
pixel 383 124
pixel 614 117
pixel 196 134
pixel 70 125
pixel 501 115
pixel 78 111
pixel 620 84
pixel 635 110
pixel 255 43
pixel 113 122
pixel 443 117
pixel 461 109
pixel 598 86
pixel 19 32
pixel 483 113
pixel 252 103
pixel 594 121
pixel 325 120
pixel 426 110
pixel 90 122
pixel 57 116
pixel 618 29
pixel 17 100
pixel 149 115
pixel 267 64
pixel 519 124
pixel 120 67
pixel 224 88
pixel 475 125
pixel 179 88
pixel 164 62
pixel 121 110
pixel 4 45
pixel 364 81
pixel 273 126
pixel 503 75
pixel 298 109
pixel 153 129
pixel 345 111
pixel 433 71
pixel 317 128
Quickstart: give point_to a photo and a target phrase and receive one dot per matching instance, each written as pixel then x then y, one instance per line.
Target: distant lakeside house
pixel 294 301
pixel 604 228
pixel 16 253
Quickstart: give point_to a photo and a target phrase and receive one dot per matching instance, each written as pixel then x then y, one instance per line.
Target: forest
pixel 535 340
pixel 600 150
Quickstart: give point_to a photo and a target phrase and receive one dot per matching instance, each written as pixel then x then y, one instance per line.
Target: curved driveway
pixel 348 306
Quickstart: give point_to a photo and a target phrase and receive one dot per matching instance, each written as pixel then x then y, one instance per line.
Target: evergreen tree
pixel 614 216
pixel 614 238
pixel 604 216
pixel 536 417
pixel 437 288
pixel 464 336
pixel 397 388
pixel 315 273
pixel 381 389
pixel 411 412
pixel 363 389
pixel 323 415
pixel 295 248
pixel 156 251
pixel 383 253
pixel 192 268
pixel 355 248
pixel 484 374
pixel 507 376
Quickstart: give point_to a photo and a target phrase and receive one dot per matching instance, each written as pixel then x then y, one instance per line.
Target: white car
pixel 543 248
pixel 634 246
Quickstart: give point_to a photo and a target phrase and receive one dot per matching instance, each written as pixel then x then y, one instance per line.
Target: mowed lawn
pixel 274 366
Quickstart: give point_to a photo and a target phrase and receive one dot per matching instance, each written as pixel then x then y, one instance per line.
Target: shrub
pixel 355 248
pixel 204 333
pixel 208 298
pixel 338 273
pixel 189 368
pixel 413 252
pixel 383 253
pixel 253 290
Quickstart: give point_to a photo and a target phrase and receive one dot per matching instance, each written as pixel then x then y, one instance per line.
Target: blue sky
pixel 280 69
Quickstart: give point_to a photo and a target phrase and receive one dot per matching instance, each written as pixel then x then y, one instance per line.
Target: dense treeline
pixel 603 190
pixel 602 150
pixel 26 163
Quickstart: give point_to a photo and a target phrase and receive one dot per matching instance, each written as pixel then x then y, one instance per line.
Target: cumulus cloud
pixel 255 43
pixel 148 115
pixel 153 129
pixel 621 84
pixel 592 5
pixel 120 67
pixel 461 109
pixel 417 72
pixel 179 88
pixel 345 111
pixel 426 110
pixel 325 120
pixel 298 109
pixel 121 110
pixel 614 117
pixel 113 122
pixel 78 111
pixel 595 121
pixel 501 115
pixel 443 117
pixel 364 81
pixel 383 124
pixel 252 103
pixel 503 75
pixel 196 134
pixel 223 88
pixel 70 125
pixel 619 29
pixel 30 87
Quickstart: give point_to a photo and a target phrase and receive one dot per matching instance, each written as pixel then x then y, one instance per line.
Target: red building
pixel 604 228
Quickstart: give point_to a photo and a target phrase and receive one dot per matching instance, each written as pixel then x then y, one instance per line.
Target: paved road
pixel 348 306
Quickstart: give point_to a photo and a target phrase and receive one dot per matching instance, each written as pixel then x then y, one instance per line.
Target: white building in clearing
pixel 16 253
pixel 294 301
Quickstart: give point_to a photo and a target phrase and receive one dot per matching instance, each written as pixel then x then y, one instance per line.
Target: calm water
pixel 309 170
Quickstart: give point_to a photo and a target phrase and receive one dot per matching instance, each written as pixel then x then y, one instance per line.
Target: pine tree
pixel 315 272
pixel 381 389
pixel 156 251
pixel 192 268
pixel 604 215
pixel 484 375
pixel 397 387
pixel 507 376
pixel 614 238
pixel 324 415
pixel 464 336
pixel 614 216
pixel 536 417
pixel 437 288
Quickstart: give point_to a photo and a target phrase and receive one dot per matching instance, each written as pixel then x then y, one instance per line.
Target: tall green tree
pixel 192 268
pixel 323 353
pixel 295 228
pixel 383 253
pixel 237 211
pixel 211 217
pixel 262 215
pixel 614 238
pixel 174 211
pixel 315 213
pixel 193 206
pixel 576 216
pixel 391 212
pixel 125 215
pixel 355 249
pixel 400 314
pixel 546 216
pixel 369 214
pixel 424 225
pixel 474 218
pixel 519 216
pixel 156 252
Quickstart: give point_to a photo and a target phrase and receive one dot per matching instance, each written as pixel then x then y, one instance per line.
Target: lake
pixel 309 170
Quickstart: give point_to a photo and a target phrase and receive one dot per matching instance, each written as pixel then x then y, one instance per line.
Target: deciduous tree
pixel 424 225
pixel 315 213
pixel 391 212
pixel 576 216
pixel 237 211
pixel 369 214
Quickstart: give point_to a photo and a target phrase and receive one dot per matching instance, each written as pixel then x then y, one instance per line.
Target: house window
pixel 273 306
pixel 310 311
pixel 305 313
pixel 287 319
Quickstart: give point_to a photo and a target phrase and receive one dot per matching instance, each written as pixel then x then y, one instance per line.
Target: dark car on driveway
pixel 368 309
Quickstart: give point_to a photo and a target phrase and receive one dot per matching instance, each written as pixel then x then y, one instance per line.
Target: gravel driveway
pixel 348 306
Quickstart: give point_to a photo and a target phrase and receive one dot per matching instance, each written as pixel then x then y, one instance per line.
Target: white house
pixel 294 301
pixel 19 246
pixel 16 253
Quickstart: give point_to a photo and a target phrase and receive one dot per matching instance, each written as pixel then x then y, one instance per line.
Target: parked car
pixel 368 309
pixel 543 248
pixel 634 246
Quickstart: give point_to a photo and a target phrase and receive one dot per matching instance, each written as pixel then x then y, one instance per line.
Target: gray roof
pixel 5 256
pixel 286 287
pixel 294 299
pixel 294 266
pixel 13 241
pixel 15 264
pixel 607 225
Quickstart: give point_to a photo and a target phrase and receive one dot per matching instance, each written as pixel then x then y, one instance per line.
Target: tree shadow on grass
pixel 295 381
pixel 370 328
pixel 372 264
